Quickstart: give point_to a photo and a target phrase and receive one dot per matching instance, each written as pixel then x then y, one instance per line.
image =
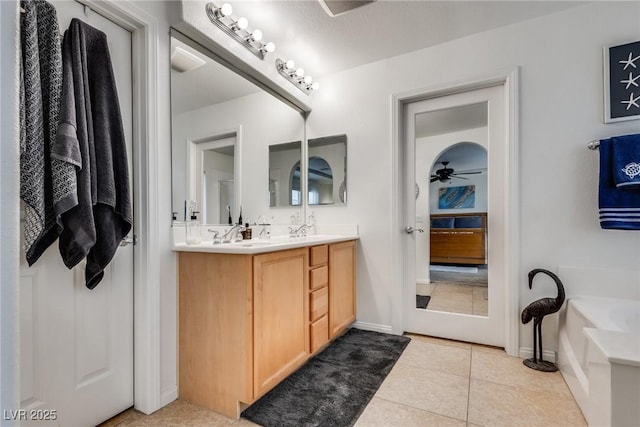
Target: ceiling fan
pixel 445 174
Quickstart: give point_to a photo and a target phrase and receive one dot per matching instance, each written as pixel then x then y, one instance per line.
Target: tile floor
pixel 435 382
pixel 457 292
pixel 456 298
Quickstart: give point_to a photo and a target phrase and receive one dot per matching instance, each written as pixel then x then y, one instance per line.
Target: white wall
pixel 561 109
pixel 263 121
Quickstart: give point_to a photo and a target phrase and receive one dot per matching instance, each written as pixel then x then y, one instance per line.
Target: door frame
pixel 509 79
pixel 144 32
pixel 146 253
pixel 192 146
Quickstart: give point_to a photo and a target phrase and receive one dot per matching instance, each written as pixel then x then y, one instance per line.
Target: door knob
pixel 409 229
pixel 127 240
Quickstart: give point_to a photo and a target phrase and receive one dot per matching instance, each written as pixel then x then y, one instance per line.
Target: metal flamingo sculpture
pixel 536 311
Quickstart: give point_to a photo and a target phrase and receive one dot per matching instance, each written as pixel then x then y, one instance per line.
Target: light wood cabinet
pixel 215 330
pixel 281 310
pixel 246 322
pixel 342 292
pixel 319 297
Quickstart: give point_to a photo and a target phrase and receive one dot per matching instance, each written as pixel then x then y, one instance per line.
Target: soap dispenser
pixel 247 233
pixel 193 229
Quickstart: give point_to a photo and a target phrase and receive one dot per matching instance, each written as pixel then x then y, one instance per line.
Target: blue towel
pixel 626 160
pixel 619 207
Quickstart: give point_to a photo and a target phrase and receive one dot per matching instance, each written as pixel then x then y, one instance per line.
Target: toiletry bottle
pixel 229 212
pixel 240 217
pixel 246 234
pixel 193 229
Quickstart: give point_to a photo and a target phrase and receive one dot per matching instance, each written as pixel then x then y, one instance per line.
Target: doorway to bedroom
pixel 451 271
pixel 454 257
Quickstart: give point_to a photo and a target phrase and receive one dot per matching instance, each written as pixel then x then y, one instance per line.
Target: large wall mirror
pixel 222 128
pixel 285 185
pixel 327 170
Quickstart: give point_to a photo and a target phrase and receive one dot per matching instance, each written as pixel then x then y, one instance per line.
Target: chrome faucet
pixel 233 234
pixel 300 231
pixel 216 236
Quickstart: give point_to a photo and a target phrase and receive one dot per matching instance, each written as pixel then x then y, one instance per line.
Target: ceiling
pixel 304 32
pixel 321 44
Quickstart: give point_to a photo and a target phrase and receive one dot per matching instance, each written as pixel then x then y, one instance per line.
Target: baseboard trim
pixel 526 353
pixel 168 396
pixel 385 329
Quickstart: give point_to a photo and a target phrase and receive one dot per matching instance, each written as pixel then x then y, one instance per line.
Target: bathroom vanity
pixel 248 318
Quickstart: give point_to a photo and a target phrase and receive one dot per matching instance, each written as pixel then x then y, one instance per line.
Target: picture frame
pixel 621 82
pixel 461 197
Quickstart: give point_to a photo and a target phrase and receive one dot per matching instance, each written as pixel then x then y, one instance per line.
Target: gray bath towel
pixel 47 184
pixel 103 216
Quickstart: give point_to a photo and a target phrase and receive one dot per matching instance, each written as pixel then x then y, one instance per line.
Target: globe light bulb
pixel 290 65
pixel 242 23
pixel 300 72
pixel 308 80
pixel 225 9
pixel 269 47
pixel 256 35
pixel 315 86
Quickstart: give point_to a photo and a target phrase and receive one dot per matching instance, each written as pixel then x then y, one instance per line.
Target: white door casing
pixel 77 344
pixel 403 300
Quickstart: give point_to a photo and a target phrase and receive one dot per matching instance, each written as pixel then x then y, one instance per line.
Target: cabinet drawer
pixel 318 303
pixel 318 277
pixel 318 255
pixel 319 333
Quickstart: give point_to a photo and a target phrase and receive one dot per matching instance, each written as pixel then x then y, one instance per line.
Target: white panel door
pixel 76 346
pixel 487 328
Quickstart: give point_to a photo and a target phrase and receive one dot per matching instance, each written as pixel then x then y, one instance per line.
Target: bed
pixel 459 239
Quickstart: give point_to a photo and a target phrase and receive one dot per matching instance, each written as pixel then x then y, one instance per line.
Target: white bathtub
pixel 599 358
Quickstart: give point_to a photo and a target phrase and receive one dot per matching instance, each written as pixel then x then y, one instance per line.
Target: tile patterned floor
pixel 457 292
pixel 435 382
pixel 456 298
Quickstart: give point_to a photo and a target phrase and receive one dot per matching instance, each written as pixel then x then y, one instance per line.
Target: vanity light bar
pixel 296 76
pixel 237 29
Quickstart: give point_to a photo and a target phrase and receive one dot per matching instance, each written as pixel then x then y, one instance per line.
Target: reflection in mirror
pixel 284 174
pixel 451 169
pixel 327 170
pixel 216 193
pixel 222 125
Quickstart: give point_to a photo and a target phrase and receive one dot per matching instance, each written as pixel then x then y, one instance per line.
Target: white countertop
pixel 259 246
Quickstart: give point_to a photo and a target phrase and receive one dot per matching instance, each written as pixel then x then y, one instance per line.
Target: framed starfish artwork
pixel 622 82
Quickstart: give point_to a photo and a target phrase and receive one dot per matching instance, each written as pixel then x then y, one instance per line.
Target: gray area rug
pixel 334 387
pixel 422 301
